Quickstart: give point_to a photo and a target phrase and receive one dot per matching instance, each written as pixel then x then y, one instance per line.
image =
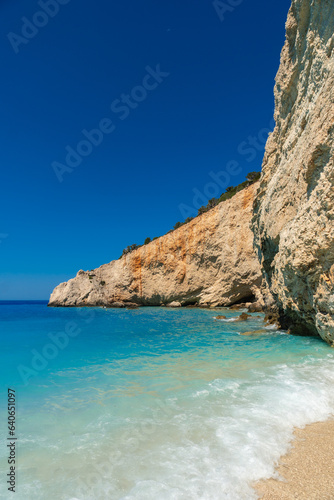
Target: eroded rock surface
pixel 294 209
pixel 210 262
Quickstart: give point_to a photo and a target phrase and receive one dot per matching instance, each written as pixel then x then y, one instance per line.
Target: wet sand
pixel 307 471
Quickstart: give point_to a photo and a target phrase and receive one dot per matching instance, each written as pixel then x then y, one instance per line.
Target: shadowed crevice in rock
pixel 321 156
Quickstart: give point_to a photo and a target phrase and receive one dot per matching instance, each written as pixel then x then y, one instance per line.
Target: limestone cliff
pixel 294 209
pixel 209 261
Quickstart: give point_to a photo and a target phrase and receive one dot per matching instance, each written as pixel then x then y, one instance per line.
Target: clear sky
pixel 178 88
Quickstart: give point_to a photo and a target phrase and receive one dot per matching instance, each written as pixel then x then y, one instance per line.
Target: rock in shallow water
pixel 243 317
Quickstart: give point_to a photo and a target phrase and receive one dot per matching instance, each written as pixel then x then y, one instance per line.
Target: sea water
pixel 152 403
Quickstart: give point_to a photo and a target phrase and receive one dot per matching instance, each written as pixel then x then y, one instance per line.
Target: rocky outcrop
pixel 294 210
pixel 210 262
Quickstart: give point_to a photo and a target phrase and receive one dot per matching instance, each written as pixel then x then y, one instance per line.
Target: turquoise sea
pixel 153 403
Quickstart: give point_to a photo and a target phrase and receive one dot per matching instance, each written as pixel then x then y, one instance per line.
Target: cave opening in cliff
pixel 245 299
pixel 190 303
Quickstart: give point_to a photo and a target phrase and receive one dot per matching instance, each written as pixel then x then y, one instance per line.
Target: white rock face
pixel 209 261
pixel 294 210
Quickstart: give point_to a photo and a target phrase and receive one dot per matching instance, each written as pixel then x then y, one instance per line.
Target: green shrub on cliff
pixel 230 191
pixel 130 249
pixel 202 210
pixel 253 176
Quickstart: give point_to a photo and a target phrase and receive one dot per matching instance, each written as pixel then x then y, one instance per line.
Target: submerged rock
pixel 271 318
pixel 255 333
pixel 243 317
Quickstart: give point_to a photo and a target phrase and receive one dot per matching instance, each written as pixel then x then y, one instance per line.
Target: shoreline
pixel 307 470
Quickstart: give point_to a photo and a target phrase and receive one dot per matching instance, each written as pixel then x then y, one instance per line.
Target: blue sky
pixel 179 91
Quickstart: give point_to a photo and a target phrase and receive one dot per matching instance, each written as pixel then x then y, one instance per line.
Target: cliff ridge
pixel 293 218
pixel 208 262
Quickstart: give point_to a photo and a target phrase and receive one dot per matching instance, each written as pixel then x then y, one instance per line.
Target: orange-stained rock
pixel 209 261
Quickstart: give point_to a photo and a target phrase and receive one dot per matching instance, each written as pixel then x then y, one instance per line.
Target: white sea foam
pixel 271 327
pixel 227 320
pixel 216 442
pixel 208 445
pixel 200 417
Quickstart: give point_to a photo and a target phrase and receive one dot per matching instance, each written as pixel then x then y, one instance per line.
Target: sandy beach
pixel 307 470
